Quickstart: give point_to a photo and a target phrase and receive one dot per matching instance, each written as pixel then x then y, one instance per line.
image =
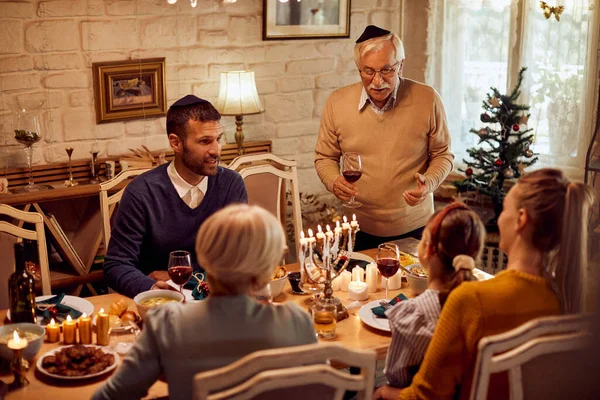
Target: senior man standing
pixel 399 128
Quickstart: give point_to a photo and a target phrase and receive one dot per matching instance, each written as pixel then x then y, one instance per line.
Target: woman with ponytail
pixel 543 231
pixel 452 240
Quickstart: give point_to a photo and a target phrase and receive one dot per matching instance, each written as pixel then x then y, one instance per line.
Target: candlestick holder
pixel 95 167
pixel 70 181
pixel 329 256
pixel 19 367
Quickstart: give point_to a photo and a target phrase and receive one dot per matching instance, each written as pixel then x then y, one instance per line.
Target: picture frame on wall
pixel 306 19
pixel 129 89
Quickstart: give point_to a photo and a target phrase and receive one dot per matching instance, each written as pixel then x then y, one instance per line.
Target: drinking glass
pixel 352 171
pixel 122 338
pixel 263 295
pixel 324 320
pixel 28 132
pixel 388 262
pixel 180 267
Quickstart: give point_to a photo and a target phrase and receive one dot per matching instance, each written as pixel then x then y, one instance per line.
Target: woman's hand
pixel 386 392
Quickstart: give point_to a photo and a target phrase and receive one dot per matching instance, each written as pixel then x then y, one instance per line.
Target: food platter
pixel 52 352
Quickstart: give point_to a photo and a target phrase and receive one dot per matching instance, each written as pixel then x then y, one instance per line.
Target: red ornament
pixel 469 171
pixel 499 162
pixel 516 127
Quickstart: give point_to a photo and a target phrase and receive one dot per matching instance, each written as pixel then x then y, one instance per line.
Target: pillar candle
pixel 358 291
pixel 345 225
pixel 69 331
pixel 345 277
pixel 372 277
pixel 320 235
pixel 354 223
pixel 395 282
pixel 357 274
pixel 335 284
pixel 52 332
pixel 85 329
pixel 102 328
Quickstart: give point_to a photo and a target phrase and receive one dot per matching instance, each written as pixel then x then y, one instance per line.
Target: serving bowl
pixel 277 285
pixel 417 284
pixel 33 346
pixel 150 294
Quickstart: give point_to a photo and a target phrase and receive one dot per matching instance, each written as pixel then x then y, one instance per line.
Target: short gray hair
pixel 239 246
pixel 375 44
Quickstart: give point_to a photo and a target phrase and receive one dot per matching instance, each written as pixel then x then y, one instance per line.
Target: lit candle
pixel 358 291
pixel 52 332
pixel 85 329
pixel 354 222
pixel 69 331
pixel 102 328
pixel 345 278
pixel 357 274
pixel 345 225
pixel 311 239
pixel 372 277
pixel 303 240
pixel 320 235
pixel 328 232
pixel 16 343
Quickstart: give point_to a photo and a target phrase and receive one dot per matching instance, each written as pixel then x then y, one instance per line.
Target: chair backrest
pixel 38 235
pixel 287 366
pixel 264 175
pixel 108 203
pixel 533 354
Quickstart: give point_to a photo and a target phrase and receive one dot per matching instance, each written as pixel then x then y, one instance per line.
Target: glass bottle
pixel 21 290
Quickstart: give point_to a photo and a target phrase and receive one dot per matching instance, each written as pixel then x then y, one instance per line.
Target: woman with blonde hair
pixel 239 248
pixel 543 231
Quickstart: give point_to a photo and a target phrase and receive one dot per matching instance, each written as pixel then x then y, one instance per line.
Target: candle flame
pixel 302 234
pixel 69 319
pixel 345 219
pixel 337 223
pixel 310 233
pixel 84 315
pixel 101 311
pixel 52 322
pixel 327 228
pixel 319 228
pixel 16 337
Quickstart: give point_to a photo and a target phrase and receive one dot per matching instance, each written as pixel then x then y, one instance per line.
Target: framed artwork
pixel 306 19
pixel 129 89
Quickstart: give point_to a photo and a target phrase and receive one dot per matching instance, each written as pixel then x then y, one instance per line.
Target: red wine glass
pixel 352 171
pixel 388 262
pixel 180 267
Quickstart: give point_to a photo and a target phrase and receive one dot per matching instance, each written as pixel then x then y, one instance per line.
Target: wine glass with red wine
pixel 180 267
pixel 352 171
pixel 388 262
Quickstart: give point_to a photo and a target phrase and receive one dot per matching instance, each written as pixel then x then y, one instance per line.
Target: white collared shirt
pixel 192 195
pixel 391 101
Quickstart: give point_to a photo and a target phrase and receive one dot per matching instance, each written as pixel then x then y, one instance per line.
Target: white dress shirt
pixel 192 195
pixel 390 103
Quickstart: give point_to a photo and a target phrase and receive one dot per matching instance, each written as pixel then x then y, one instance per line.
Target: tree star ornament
pixel 524 119
pixel 495 102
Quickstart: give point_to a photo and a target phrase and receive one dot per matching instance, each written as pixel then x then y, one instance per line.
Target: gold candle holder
pixel 70 181
pixel 95 167
pixel 18 366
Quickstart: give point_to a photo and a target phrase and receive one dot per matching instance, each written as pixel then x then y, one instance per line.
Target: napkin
pixel 62 310
pixel 380 311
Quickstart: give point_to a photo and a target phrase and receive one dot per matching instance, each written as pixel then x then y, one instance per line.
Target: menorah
pixel 329 254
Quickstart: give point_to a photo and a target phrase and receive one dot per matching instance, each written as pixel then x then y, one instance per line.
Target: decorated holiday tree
pixel 504 148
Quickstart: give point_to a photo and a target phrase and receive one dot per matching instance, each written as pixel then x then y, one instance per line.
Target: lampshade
pixel 238 95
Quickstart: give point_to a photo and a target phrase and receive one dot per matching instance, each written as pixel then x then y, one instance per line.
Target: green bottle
pixel 21 290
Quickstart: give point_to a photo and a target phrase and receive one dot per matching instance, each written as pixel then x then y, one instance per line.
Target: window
pixel 483 43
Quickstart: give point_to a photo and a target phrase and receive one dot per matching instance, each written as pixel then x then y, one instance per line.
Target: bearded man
pixel 399 128
pixel 162 209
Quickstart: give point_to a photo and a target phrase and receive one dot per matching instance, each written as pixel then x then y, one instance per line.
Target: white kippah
pixel 463 261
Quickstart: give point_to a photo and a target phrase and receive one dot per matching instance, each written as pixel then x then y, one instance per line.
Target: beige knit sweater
pixel 412 137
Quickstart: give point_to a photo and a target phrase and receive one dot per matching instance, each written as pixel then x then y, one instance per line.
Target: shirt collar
pixel 391 102
pixel 181 185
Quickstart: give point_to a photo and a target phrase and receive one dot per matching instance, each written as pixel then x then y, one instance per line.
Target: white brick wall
pixel 48 47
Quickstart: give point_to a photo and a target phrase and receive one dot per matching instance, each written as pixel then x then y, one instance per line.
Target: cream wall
pixel 48 47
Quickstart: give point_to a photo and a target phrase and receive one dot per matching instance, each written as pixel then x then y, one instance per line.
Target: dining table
pixel 350 332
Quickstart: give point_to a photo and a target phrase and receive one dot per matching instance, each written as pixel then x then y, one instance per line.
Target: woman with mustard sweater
pixel 543 231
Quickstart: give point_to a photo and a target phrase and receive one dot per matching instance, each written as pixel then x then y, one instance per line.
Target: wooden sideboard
pixel 72 214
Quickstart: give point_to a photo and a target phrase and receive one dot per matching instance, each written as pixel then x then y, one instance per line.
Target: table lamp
pixel 238 96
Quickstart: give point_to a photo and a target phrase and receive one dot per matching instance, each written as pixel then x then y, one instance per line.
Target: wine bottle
pixel 21 290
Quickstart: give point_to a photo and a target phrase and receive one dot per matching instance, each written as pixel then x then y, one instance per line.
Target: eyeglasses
pixel 370 72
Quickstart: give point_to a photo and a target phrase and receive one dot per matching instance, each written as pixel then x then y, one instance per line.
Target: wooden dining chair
pixel 534 355
pixel 38 234
pixel 279 373
pixel 264 175
pixel 109 203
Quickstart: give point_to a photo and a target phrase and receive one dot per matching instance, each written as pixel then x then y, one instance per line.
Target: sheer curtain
pixel 483 43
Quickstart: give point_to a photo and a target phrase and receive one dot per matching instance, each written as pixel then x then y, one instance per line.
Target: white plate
pixel 51 353
pixel 361 257
pixel 77 303
pixel 186 292
pixel 366 315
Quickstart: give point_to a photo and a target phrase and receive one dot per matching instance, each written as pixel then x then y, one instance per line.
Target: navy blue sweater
pixel 152 221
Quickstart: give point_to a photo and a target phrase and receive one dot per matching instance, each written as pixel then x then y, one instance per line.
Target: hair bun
pixel 463 261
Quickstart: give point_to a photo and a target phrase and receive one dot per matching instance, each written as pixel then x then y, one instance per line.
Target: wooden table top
pixel 351 332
